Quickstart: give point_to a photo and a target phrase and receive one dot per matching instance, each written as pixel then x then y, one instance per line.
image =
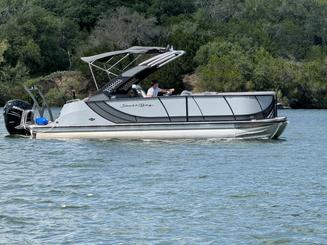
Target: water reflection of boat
pixel 120 109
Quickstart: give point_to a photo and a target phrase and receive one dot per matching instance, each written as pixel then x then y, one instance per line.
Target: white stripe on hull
pixel 266 131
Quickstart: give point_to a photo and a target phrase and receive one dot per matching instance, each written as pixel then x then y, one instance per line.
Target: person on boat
pixel 154 90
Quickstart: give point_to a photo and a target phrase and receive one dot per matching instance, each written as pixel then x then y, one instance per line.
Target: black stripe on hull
pixel 113 115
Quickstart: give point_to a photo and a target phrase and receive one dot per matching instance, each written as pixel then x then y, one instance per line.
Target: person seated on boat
pixel 154 90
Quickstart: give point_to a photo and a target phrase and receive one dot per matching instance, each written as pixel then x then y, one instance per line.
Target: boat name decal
pixel 141 105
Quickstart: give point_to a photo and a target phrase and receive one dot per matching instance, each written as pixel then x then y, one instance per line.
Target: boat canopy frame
pixel 133 72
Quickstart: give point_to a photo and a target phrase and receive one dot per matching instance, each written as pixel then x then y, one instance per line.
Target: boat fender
pixel 41 121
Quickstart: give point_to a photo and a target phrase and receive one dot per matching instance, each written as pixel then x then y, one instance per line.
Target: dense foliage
pixel 232 45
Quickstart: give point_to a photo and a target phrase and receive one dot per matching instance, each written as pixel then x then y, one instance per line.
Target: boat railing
pixel 34 92
pixel 24 118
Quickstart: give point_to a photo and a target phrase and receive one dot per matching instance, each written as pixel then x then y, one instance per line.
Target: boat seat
pixel 186 93
pixel 138 90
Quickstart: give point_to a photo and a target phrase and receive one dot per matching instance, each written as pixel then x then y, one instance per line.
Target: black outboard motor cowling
pixel 12 113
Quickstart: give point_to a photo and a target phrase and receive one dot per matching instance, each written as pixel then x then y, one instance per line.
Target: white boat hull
pixel 258 129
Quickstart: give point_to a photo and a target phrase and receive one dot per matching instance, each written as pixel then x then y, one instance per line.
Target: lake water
pixel 167 192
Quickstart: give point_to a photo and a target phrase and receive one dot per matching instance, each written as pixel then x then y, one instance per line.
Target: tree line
pixel 231 45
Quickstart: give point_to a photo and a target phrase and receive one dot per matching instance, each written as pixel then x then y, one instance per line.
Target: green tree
pixel 39 40
pixel 86 13
pixel 124 28
pixel 163 9
pixel 10 77
pixel 223 66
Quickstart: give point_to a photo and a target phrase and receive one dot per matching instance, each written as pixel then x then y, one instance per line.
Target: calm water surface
pixel 167 192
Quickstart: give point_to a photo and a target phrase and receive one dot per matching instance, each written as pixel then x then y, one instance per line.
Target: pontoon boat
pixel 120 108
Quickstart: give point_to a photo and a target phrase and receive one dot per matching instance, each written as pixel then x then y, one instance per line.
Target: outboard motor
pixel 12 113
